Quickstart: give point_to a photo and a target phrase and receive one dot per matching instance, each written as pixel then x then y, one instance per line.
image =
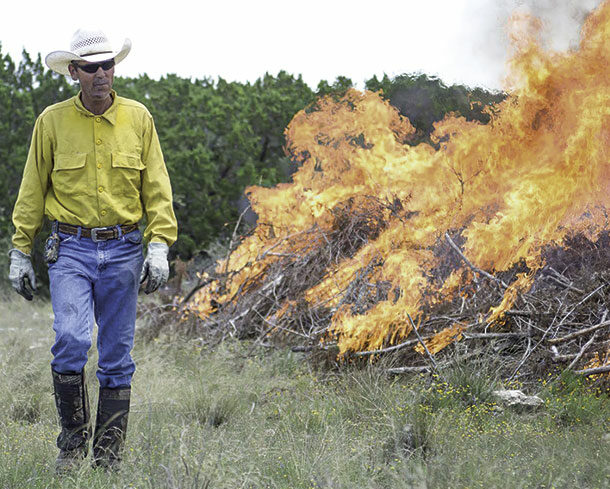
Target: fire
pixel 539 170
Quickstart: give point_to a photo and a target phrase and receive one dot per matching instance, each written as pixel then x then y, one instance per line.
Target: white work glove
pixel 156 267
pixel 21 274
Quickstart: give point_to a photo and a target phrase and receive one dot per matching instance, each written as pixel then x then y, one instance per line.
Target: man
pixel 94 168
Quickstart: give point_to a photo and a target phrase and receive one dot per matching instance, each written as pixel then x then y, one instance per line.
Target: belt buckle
pixel 94 232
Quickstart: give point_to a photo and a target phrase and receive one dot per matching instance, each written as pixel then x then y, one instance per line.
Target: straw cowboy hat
pixel 90 46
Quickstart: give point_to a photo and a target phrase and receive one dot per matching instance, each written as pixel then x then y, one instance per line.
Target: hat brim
pixel 58 61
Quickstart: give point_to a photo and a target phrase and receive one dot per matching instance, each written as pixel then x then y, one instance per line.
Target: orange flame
pixel 441 339
pixel 513 186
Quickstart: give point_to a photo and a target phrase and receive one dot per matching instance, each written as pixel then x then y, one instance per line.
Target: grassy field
pixel 236 418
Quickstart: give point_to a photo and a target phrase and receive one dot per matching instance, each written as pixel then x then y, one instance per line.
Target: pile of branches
pixel 561 323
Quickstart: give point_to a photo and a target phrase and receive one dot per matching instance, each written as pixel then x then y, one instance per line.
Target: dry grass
pixel 253 417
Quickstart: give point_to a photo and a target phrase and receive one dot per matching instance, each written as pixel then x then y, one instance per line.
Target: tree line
pixel 217 136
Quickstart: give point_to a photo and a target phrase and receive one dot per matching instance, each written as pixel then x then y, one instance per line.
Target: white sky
pixel 462 41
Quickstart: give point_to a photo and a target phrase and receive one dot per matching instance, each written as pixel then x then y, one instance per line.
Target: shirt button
pixel 103 213
pixel 98 119
pixel 98 142
pixel 100 189
pixel 99 165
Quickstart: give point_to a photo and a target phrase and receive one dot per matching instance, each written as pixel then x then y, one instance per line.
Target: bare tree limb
pixel 388 349
pixel 405 370
pixel 467 336
pixel 470 265
pixel 576 334
pixel 234 238
pixel 529 352
pixel 570 356
pixel 581 352
pixel 430 357
pixel 594 371
pixel 561 280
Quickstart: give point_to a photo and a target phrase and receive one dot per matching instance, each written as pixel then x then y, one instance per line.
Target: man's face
pixel 95 86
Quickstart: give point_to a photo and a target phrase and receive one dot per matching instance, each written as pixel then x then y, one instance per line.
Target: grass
pixel 225 419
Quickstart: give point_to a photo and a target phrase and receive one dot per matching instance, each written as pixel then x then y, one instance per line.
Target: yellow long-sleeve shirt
pixel 95 171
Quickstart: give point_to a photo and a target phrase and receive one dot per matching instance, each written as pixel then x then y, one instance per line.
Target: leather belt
pixel 97 234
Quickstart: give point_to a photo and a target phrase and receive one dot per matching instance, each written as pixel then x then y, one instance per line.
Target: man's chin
pixel 100 94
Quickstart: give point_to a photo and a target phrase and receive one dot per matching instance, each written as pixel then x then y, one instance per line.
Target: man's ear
pixel 72 71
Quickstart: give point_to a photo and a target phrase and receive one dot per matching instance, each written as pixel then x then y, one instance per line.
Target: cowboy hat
pixel 91 46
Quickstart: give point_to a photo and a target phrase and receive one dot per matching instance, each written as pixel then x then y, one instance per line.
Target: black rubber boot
pixel 72 404
pixel 111 427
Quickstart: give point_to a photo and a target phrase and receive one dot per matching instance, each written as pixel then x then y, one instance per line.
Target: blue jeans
pixel 96 280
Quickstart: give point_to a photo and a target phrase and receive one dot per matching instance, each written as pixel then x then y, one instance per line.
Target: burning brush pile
pixel 496 235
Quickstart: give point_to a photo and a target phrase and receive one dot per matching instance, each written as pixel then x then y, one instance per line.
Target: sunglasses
pixel 93 67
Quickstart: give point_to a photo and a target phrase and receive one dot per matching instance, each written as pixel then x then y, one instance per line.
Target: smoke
pixel 486 31
pixel 561 20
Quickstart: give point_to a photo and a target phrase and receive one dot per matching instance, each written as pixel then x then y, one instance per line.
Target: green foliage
pixel 572 399
pixel 425 100
pixel 218 137
pixel 341 85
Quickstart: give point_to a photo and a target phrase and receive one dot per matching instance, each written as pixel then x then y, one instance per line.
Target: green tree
pixel 16 121
pixel 425 100
pixel 275 100
pixel 338 88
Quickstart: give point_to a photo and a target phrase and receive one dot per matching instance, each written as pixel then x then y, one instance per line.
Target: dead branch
pixel 491 336
pixel 594 371
pixel 581 352
pixel 525 314
pixel 200 285
pixel 528 353
pixel 470 265
pixel 423 344
pixel 561 280
pixel 276 244
pixel 408 370
pixel 576 334
pixel 570 356
pixel 279 327
pixel 588 296
pixel 389 349
pixel 467 336
pixel 234 238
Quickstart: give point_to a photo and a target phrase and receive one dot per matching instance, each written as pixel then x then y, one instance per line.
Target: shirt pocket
pixel 125 176
pixel 69 176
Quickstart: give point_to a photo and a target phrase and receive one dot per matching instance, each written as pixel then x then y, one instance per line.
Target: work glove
pixel 21 274
pixel 156 267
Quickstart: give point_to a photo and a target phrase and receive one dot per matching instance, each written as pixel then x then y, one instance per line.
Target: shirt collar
pixel 109 115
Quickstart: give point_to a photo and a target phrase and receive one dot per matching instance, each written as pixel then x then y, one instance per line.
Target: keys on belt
pixel 98 234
